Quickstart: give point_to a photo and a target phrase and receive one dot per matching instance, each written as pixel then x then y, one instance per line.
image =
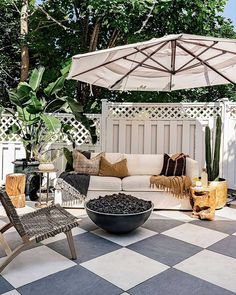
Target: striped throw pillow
pixel 83 165
pixel 173 167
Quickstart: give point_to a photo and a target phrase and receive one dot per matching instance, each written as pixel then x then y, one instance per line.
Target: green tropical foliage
pixel 59 29
pixel 35 108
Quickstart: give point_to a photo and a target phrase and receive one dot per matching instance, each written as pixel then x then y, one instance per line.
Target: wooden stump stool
pixel 15 188
pixel 204 202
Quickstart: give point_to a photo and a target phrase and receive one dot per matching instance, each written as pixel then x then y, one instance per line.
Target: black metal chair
pixel 36 226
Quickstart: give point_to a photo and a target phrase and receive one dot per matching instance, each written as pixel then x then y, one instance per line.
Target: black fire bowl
pixel 118 223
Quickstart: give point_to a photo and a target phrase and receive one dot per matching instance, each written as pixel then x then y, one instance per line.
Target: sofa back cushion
pixel 111 157
pixel 144 164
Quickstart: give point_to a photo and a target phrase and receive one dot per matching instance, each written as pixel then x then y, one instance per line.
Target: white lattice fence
pixel 11 148
pixel 79 132
pixel 179 127
pixel 153 112
pixel 229 156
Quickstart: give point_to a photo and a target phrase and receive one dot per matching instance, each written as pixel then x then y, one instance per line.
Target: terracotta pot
pixel 221 192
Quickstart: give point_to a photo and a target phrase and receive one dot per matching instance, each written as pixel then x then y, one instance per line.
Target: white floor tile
pixel 77 212
pixel 126 239
pixel 2 223
pixel 197 235
pixel 26 209
pixel 124 268
pixel 179 215
pixel 61 236
pixel 34 264
pixel 156 215
pixel 13 292
pixel 226 212
pixel 211 267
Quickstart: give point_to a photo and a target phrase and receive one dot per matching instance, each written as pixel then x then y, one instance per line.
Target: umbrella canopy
pixel 169 63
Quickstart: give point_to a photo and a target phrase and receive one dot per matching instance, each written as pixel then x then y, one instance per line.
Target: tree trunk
pixel 24 46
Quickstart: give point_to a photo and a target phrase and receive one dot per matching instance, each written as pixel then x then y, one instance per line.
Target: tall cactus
pixel 213 168
pixel 208 152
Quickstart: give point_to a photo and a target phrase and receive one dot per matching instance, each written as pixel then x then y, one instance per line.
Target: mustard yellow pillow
pixel 118 169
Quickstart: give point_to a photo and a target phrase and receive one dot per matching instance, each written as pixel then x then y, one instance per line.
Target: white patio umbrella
pixel 168 63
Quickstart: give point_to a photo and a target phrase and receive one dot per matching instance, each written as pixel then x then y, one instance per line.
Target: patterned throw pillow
pixel 86 166
pixel 118 169
pixel 173 167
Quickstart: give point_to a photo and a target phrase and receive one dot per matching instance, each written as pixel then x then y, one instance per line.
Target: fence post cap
pixel 224 99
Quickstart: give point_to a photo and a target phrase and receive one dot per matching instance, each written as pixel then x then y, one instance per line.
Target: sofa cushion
pixel 118 169
pixel 111 157
pixel 104 183
pixel 139 164
pixel 192 168
pixel 139 183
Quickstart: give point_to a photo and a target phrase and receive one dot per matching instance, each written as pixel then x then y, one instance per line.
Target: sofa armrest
pixel 192 168
pixel 58 197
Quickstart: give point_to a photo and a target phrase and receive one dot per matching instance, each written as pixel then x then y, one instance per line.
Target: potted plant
pixel 212 165
pixel 33 109
pixel 45 155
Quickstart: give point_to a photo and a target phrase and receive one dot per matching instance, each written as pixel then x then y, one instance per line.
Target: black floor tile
pixel 88 246
pixel 173 282
pixel 73 281
pixel 165 249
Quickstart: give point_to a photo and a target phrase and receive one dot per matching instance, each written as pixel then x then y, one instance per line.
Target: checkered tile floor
pixel 172 253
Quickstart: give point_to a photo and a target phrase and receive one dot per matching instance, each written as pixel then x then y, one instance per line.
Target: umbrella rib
pixel 199 63
pixel 204 45
pixel 168 71
pixel 147 66
pixel 173 58
pixel 139 64
pixel 118 58
pixel 205 63
pixel 206 49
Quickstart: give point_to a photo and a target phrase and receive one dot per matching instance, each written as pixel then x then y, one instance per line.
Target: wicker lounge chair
pixel 36 226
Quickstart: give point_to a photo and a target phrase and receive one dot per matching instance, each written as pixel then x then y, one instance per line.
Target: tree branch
pixel 56 21
pixel 113 38
pixel 147 19
pixel 17 9
pixel 94 37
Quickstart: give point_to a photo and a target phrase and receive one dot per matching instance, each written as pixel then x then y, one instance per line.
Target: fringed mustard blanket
pixel 179 186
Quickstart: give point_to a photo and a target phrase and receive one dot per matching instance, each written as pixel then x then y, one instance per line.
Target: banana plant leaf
pixel 35 107
pixel 56 86
pixel 36 78
pixel 52 123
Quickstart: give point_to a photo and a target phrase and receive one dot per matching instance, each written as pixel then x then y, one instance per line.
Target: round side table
pixel 41 204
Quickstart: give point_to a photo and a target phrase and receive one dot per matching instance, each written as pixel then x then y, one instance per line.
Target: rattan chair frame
pixel 23 228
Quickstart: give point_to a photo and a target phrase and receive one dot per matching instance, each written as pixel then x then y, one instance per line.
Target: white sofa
pixel 140 167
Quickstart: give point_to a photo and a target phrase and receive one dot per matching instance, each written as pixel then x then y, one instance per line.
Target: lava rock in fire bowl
pixel 118 213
